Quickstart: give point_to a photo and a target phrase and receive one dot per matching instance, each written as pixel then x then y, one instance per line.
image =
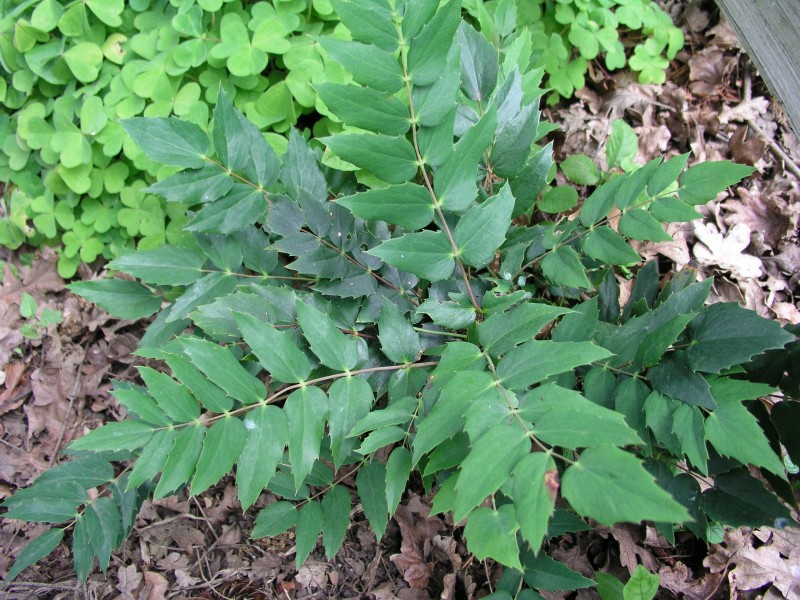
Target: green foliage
pixel 561 38
pixel 343 324
pixel 36 321
pixel 68 74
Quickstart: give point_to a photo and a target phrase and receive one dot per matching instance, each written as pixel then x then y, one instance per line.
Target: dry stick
pixel 747 94
pixel 73 394
pixel 779 152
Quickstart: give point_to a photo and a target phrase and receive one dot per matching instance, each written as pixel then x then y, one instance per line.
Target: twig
pixel 747 95
pixel 72 395
pixel 207 520
pixel 779 153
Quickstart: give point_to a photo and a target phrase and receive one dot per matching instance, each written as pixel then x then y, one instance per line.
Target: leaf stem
pixel 261 276
pixel 428 185
pixel 239 177
pixel 402 292
pixel 444 333
pixel 296 386
pixel 515 412
pixel 605 220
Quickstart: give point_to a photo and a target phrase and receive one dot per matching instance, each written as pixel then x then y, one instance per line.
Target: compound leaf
pixel 221 447
pixel 481 231
pixel 222 368
pixel 371 485
pixel 366 108
pixel 704 181
pixel 536 360
pixel 369 65
pixel 274 349
pixel 181 460
pixel 309 525
pixel 426 254
pixel 493 534
pixel 479 64
pixel 501 332
pixel 123 299
pixel 730 423
pixel 563 267
pixel 351 399
pixel 125 435
pixel 34 551
pixel 334 349
pixel 335 518
pixel 306 411
pixel 399 342
pixel 408 205
pixel 169 265
pixel 274 520
pixel 104 527
pixel 169 141
pixel 611 486
pixel 725 334
pixel 267 436
pixel 491 459
pixel 398 469
pixel 534 481
pixel 389 158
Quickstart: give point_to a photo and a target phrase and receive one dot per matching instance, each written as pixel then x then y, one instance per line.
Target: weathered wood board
pixel 770 32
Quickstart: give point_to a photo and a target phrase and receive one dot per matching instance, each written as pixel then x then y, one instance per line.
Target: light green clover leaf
pixel 68 141
pixel 270 29
pixel 113 49
pixel 101 215
pixel 46 15
pixel 26 35
pixel 77 178
pixel 142 213
pixel 93 116
pixel 651 66
pixel 84 60
pixel 108 11
pixel 242 57
pixel 51 214
pixel 81 240
pixel 114 177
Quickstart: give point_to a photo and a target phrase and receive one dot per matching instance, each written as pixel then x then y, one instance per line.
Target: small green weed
pixel 36 323
pixel 564 36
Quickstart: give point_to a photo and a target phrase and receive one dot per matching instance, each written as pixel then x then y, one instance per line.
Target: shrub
pixel 317 328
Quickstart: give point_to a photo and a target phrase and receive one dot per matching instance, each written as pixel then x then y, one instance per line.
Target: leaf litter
pixel 55 388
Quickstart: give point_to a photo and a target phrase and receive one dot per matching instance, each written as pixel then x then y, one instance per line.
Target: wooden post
pixel 770 32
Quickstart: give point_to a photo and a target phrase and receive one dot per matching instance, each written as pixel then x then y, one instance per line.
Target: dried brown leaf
pixel 653 141
pixel 709 71
pixel 129 579
pixel 385 591
pixel 726 251
pixel 746 148
pixel 41 277
pixel 312 575
pixel 629 538
pixel 156 586
pixel 680 580
pixel 757 568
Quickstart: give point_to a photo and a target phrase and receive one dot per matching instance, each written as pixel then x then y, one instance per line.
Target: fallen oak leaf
pixel 410 561
pixel 725 252
pixel 759 567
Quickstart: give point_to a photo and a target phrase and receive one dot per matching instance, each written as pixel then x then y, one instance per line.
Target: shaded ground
pixel 54 386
